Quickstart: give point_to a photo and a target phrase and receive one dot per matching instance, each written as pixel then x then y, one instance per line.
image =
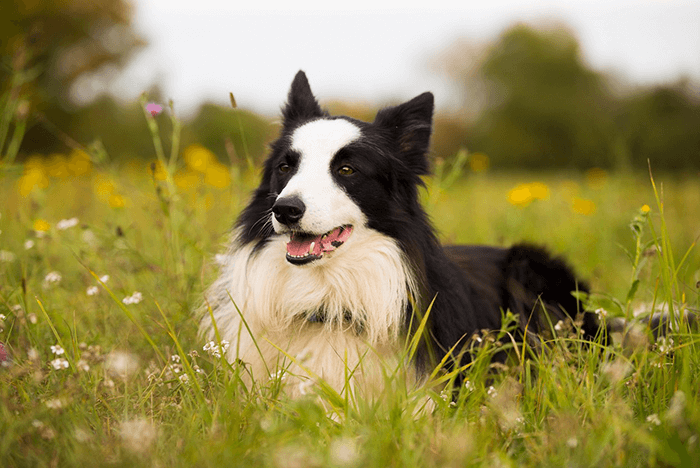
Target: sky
pixel 378 52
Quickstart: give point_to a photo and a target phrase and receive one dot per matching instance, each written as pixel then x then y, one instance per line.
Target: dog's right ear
pixel 301 103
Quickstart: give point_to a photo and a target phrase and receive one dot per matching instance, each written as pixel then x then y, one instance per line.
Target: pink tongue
pixel 301 246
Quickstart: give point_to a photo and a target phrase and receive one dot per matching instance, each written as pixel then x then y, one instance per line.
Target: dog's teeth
pixel 311 248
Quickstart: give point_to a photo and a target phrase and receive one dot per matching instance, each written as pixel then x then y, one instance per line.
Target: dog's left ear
pixel 409 125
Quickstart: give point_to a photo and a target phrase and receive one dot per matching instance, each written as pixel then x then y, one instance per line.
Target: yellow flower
pixel 41 225
pixel 186 179
pixel 104 188
pixel 116 201
pixel 217 175
pixel 520 195
pixel 539 190
pixel 34 176
pixel 198 158
pixel 583 206
pixel 479 162
pixel 523 194
pixel 79 162
pixel 645 208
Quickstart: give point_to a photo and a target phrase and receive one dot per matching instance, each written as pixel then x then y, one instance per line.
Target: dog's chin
pixel 304 248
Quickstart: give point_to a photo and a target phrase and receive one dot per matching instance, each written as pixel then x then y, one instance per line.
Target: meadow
pixel 103 265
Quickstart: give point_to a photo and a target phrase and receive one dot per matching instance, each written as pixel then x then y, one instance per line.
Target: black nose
pixel 288 210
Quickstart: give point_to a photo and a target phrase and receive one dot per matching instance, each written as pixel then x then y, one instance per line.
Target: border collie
pixel 334 260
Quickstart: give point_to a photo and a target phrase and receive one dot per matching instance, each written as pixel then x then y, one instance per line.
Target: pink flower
pixel 154 108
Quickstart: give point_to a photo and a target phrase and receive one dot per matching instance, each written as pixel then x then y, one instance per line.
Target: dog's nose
pixel 288 210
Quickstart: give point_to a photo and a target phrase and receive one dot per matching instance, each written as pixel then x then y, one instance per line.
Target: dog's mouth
pixel 304 248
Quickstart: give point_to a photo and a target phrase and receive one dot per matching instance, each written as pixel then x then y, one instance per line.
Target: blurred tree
pixel 662 126
pixel 544 107
pixel 71 49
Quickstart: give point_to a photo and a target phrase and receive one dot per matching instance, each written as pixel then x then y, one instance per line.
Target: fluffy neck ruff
pixel 364 288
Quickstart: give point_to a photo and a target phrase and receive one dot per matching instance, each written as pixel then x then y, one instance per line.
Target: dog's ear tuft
pixel 409 125
pixel 301 103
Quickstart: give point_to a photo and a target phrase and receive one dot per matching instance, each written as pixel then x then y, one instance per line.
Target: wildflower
pixel 344 452
pixel 34 176
pixel 654 419
pixel 278 375
pixel 41 226
pixel 469 385
pixel 645 208
pixel 198 369
pixel 601 313
pixel 32 318
pixel 664 344
pixel 491 391
pixel 104 278
pixel 198 158
pixel 153 108
pixel 59 363
pixel 121 364
pixel 572 442
pixel 92 290
pixel 57 166
pixel 117 201
pixel 133 299
pixel 175 358
pixel 33 354
pixel 57 350
pixel 52 277
pixel 6 256
pixel 617 370
pixel 583 206
pixel 55 403
pixel 28 244
pixel 64 224
pixel 184 379
pixel 216 350
pixel 83 365
pixel 217 175
pixel 78 162
pixel 523 194
pixel 137 435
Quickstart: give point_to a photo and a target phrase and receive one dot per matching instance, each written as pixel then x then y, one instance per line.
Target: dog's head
pixel 329 176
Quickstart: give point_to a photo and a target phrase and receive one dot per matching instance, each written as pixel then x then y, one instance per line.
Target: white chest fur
pixel 361 289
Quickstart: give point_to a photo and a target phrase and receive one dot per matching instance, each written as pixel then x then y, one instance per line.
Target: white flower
pixel 133 299
pixel 55 403
pixel 83 365
pixel 654 419
pixel 572 442
pixel 52 277
pixel 184 379
pixel 469 385
pixel 121 364
pixel 216 350
pixel 6 256
pixel 92 290
pixel 59 363
pixel 104 278
pixel 137 435
pixel 57 350
pixel 64 224
pixel 175 358
pixel 2 317
pixel 28 244
pixel 33 354
pixel 32 318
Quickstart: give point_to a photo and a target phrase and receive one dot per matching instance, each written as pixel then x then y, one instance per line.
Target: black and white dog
pixel 334 260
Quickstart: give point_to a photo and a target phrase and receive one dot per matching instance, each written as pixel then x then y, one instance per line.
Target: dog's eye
pixel 284 168
pixel 346 171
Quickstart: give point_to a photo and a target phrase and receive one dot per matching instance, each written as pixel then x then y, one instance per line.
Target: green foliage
pixel 542 106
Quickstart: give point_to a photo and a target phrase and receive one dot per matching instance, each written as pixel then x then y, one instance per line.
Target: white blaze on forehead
pixel 318 141
pixel 327 204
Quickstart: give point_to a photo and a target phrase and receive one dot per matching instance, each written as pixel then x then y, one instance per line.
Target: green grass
pixel 122 400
